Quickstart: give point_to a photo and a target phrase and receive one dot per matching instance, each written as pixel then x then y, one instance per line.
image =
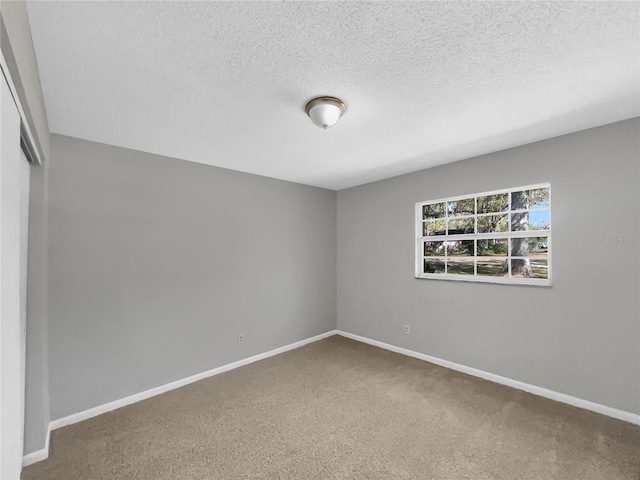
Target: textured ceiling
pixel 425 83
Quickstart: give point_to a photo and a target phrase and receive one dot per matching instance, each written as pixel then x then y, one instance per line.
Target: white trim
pixel 38 455
pixel 540 391
pixel 108 407
pixel 421 239
pixel 489 235
pixel 527 282
pixel 23 117
pixel 42 454
pixel 14 195
pixel 487 194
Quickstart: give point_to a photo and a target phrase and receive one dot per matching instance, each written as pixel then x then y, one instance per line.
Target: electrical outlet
pixel 407 331
pixel 241 338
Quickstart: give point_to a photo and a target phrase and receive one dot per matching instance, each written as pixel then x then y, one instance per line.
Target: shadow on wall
pixel 548 129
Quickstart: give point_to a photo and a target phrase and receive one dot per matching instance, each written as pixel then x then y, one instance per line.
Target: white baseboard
pixel 543 392
pixel 107 407
pixel 540 391
pixel 38 455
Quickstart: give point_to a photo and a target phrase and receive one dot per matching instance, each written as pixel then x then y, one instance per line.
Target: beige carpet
pixel 339 409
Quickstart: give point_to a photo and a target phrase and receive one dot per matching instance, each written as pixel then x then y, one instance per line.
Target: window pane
pixel 519 247
pixel 520 221
pixel 453 234
pixel 460 266
pixel 525 247
pixel 492 246
pixel 536 198
pixel 493 223
pixel 461 207
pixel 458 226
pixel 435 210
pixel 462 247
pixel 433 227
pixel 539 198
pixel 538 246
pixel 530 268
pixel 540 267
pixel 539 220
pixel 433 249
pixel 492 266
pixel 433 266
pixel 493 203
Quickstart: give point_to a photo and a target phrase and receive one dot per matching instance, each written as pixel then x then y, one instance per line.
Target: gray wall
pixel 157 264
pixel 580 337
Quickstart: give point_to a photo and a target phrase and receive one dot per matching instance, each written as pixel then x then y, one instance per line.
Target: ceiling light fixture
pixel 325 111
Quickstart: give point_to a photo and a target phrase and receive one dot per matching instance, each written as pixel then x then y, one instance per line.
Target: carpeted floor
pixel 339 409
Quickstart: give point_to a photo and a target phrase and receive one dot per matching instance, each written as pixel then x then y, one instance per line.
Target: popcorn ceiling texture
pixel 425 83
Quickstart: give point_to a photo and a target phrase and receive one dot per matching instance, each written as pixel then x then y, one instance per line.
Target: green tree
pixel 523 200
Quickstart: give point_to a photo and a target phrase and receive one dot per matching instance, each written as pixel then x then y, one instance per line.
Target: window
pixel 499 237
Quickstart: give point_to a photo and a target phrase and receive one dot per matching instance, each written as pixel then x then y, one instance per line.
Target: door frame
pixel 16 155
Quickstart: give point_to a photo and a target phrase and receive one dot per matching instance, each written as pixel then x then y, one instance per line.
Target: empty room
pixel 319 240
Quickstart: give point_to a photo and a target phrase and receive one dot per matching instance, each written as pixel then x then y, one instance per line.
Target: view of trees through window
pixel 497 235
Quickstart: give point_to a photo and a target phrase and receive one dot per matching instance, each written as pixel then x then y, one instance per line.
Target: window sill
pixel 529 282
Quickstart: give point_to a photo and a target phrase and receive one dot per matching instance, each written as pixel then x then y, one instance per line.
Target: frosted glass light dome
pixel 325 111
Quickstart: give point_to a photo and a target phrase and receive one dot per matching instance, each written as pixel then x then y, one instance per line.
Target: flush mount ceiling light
pixel 325 111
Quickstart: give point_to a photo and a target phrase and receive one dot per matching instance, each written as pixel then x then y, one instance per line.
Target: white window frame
pixel 420 239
